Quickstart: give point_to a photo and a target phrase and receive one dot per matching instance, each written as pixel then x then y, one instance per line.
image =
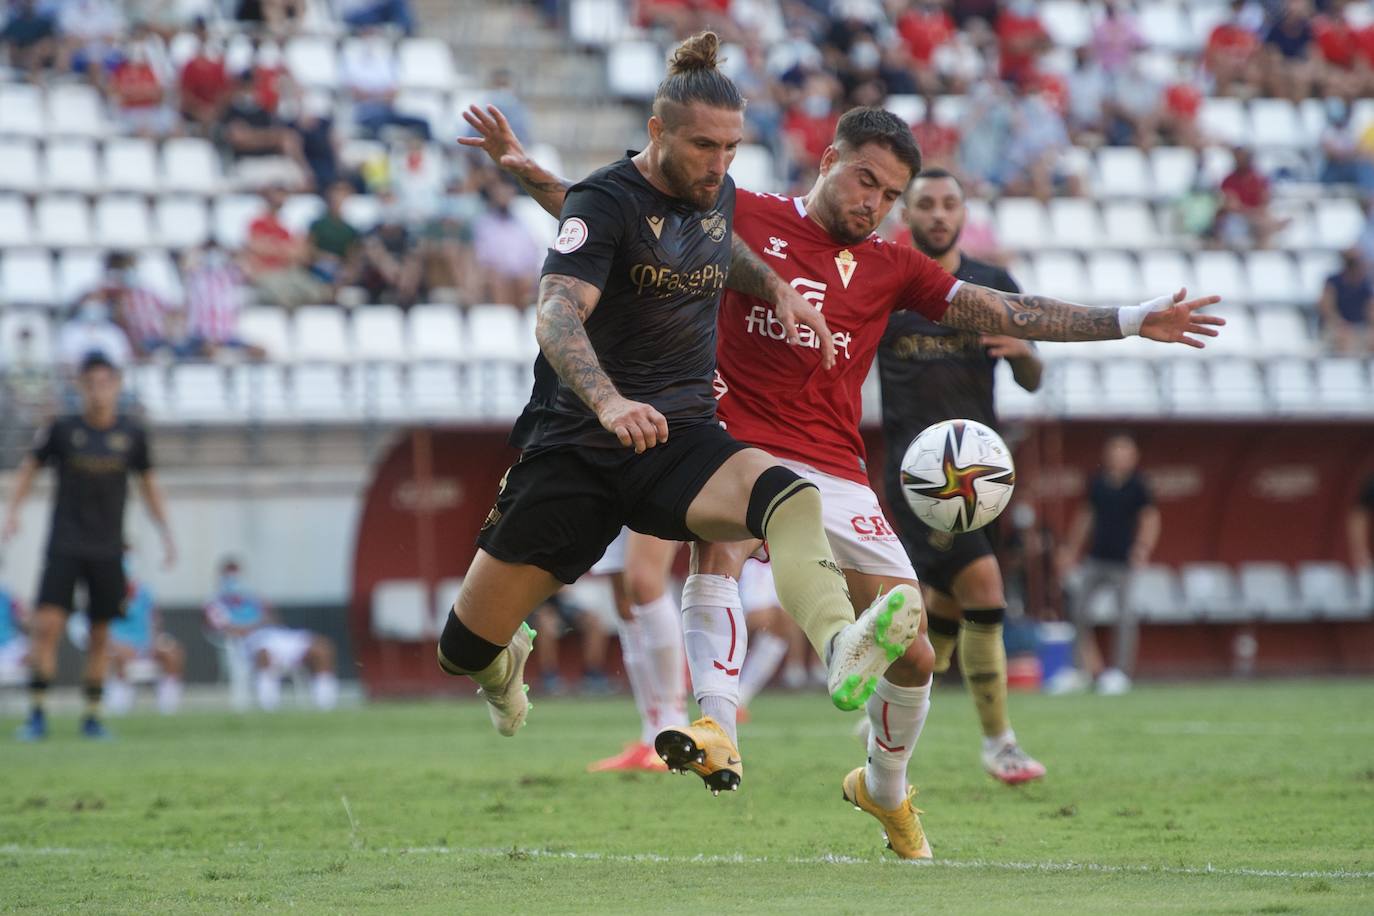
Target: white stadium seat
pixel 266 393
pixel 1209 592
pixel 401 610
pixel 382 391
pixel 1077 385
pixel 362 211
pixel 753 169
pixel 598 23
pixel 1284 332
pixel 75 109
pixel 1219 273
pixel 266 327
pixel 199 394
pixel 1266 591
pixel 1113 278
pixel 1300 229
pixel 434 390
pixel 1339 222
pixel 130 164
pixel 1238 337
pixel 320 334
pixel 1314 267
pixel 1327 590
pixel 1012 399
pixel 25 336
pixel 78 271
pixel 1237 387
pixel 232 215
pixel 1022 223
pixel 21 110
pixel 1129 388
pixel 1275 122
pixel 1185 388
pixel 435 333
pixel 1166 271
pixel 122 221
pixel 632 69
pixel 498 332
pixel 300 210
pixel 190 164
pixel 324 393
pixel 949 109
pixel 1074 223
pixel 181 221
pixel 425 63
pixel 1292 386
pixel 1343 386
pixel 1218 162
pixel 379 334
pixel 62 221
pixel 71 165
pixel 1272 276
pixel 1174 169
pixel 157 271
pixel 1129 224
pixel 536 220
pixel 19 165
pixel 1122 171
pixel 312 62
pixel 910 108
pixel 26 278
pixel 16 225
pixel 1224 120
pixel 1163 26
pixel 1068 22
pixel 151 387
pixel 1153 592
pixel 1062 275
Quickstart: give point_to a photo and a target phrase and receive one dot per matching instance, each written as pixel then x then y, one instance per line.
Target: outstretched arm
pixel 1032 317
pixel 495 137
pixel 749 275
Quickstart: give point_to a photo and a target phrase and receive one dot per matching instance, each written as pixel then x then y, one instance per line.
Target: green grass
pixel 1197 799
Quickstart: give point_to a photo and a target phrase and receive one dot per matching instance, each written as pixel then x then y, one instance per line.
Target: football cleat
pixel 508 704
pixel 864 649
pixel 705 749
pixel 1011 765
pixel 93 729
pixel 35 727
pixel 636 756
pixel 901 825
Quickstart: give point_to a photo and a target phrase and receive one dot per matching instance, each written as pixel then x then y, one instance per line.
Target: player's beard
pixel 929 249
pixel 683 187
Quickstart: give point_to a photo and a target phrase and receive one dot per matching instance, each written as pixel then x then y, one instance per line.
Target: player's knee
pixel 721 559
pixel 775 487
pixel 916 664
pixel 262 659
pixel 644 585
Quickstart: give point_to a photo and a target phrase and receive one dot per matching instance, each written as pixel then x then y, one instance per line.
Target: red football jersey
pixel 777 396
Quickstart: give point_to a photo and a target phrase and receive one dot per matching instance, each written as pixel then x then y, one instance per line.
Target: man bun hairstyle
pixel 694 76
pixel 860 126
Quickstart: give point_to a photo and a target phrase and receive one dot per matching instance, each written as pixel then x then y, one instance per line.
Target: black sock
pixel 462 651
pixel 93 692
pixel 38 692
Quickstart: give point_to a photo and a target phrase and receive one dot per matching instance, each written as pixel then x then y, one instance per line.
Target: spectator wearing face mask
pixel 91 330
pixel 138 93
pixel 1347 307
pixel 506 253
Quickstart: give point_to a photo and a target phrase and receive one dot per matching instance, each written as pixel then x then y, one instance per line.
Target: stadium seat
pixel 266 393
pixel 1068 22
pixel 1219 273
pixel 71 165
pixel 190 164
pixel 1292 386
pixel 130 164
pixel 21 110
pixel 1022 223
pixel 430 105
pixel 312 62
pixel 597 23
pixel 445 594
pixel 379 334
pixel 1209 592
pixel 1237 387
pixel 26 337
pixel 1343 386
pixel 1300 230
pixel 1129 388
pixel 1312 120
pixel 1174 169
pixel 1272 276
pixel 1153 592
pixel 910 108
pixel 949 109
pixel 320 334
pixel 78 271
pixel 62 221
pixel 1224 120
pixel 1275 122
pixel 1077 386
pixel 382 391
pixel 152 390
pixel 1163 25
pixel 536 220
pixel 632 69
pixel 1218 161
pixel 435 333
pixel 19 165
pixel 1238 337
pixel 232 214
pixel 1012 399
pixel 1113 278
pixel 1339 222
pixel 1122 171
pixel 1128 224
pixel 1185 388
pixel 200 395
pixel 16 226
pixel 498 332
pixel 324 393
pixel 157 271
pixel 753 169
pixel 26 278
pixel 75 109
pixel 1327 590
pixel 425 63
pixel 1061 274
pixel 300 210
pixel 1282 331
pixel 1266 591
pixel 1166 271
pixel 181 221
pixel 265 326
pixel 1074 223
pixel 1314 268
pixel 122 221
pixel 435 392
pixel 401 610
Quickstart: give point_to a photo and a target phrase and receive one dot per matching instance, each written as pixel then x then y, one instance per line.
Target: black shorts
pixel 938 556
pixel 559 508
pixel 106 587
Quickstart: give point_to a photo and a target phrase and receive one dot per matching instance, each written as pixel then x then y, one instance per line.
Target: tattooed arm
pixel 499 142
pixel 1031 317
pixel 750 276
pixel 565 303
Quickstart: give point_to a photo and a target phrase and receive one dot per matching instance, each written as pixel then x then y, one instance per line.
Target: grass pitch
pixel 1197 799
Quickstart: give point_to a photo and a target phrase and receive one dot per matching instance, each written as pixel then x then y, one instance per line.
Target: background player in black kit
pixel 930 373
pixel 93 453
pixel 621 427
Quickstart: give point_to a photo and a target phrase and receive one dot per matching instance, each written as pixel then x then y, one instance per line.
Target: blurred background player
pixel 930 373
pixel 250 629
pixel 93 453
pixel 136 639
pixel 650 642
pixel 14 642
pixel 555 618
pixel 1120 526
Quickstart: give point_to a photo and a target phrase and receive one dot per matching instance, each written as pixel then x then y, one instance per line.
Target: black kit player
pixel 621 427
pixel 93 453
pixel 932 372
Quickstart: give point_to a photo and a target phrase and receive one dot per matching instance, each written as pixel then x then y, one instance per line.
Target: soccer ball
pixel 957 475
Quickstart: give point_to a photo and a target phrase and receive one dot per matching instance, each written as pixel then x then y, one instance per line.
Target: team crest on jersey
pixel 118 442
pixel 713 224
pixel 846 265
pixel 655 225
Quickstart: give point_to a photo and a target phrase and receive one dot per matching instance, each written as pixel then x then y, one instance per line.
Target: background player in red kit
pixel 777 396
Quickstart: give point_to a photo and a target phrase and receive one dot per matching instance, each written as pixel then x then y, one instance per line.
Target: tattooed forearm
pixel 749 275
pixel 565 303
pixel 545 187
pixel 989 311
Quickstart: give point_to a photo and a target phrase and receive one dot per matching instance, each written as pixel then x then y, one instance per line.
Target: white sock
pixel 168 694
pixel 716 640
pixel 267 685
pixel 632 656
pixel 119 696
pixel 661 632
pixel 324 690
pixel 999 741
pixel 766 652
pixel 896 715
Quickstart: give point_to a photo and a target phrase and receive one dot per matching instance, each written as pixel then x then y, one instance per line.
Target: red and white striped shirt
pixel 214 297
pixel 144 314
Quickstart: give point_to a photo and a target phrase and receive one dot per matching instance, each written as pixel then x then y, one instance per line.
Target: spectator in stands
pixel 1021 39
pixel 91 30
pixel 90 330
pixel 138 635
pixel 335 246
pixel 1338 53
pixel 319 143
pixel 1365 241
pixel 137 94
pixel 1244 216
pixel 148 321
pixel 275 261
pixel 962 61
pixel 164 17
pixel 392 263
pixel 1035 152
pixel 1347 307
pixel 1090 92
pixel 1119 525
pixel 557 617
pixel 1229 57
pixel 762 114
pixel 214 301
pixel 507 255
pixel 265 151
pixel 370 76
pixel 26 386
pixel 983 149
pixel 249 627
pixel 30 37
pixel 925 27
pixel 448 239
pixel 361 14
pixel 939 142
pixel 1134 106
pixel 279 17
pixel 1116 39
pixel 1180 105
pixel 1359 523
pixel 1291 63
pixel 204 83
pixel 809 123
pixel 686 17
pixel 418 177
pixel 1344 161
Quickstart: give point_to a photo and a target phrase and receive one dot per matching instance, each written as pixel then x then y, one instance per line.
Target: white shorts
pixel 861 538
pixel 756 591
pixel 613 560
pixel 285 648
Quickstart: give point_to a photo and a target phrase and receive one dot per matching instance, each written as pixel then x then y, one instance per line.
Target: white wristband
pixel 1133 316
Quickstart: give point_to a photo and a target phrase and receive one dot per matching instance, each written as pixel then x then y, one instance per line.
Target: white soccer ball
pixel 958 475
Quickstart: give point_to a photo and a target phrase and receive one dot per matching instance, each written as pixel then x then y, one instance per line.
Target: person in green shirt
pixel 334 243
